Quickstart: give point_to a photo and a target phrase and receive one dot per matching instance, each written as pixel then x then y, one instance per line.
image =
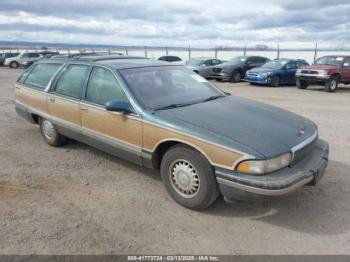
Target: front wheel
pixel 332 84
pixel 273 81
pixel 14 64
pixel 236 77
pixel 302 84
pixel 188 177
pixel 50 133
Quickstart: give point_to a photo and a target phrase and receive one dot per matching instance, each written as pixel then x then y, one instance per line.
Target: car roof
pixel 117 62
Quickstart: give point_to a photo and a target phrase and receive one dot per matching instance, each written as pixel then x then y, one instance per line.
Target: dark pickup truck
pixel 328 71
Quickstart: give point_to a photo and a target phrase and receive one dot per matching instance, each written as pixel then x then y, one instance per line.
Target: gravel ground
pixel 78 200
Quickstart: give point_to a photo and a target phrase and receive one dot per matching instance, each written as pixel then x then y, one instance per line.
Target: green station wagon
pixel 205 142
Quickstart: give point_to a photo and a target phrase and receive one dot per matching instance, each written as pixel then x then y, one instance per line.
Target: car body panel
pixel 205 69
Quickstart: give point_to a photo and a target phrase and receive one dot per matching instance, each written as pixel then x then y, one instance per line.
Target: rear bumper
pixel 249 187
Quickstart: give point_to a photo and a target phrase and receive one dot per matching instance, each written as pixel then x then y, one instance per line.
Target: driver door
pixel 114 132
pixel 346 70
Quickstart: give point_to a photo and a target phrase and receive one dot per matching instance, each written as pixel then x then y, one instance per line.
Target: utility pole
pixel 278 51
pixel 315 56
pixel 145 51
pixel 189 52
pixel 166 50
pixel 245 50
pixel 216 52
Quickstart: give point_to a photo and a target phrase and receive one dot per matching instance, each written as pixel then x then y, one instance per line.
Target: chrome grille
pixel 303 149
pixel 309 72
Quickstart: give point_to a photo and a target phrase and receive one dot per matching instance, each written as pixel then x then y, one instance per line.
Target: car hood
pixel 248 126
pixel 263 70
pixel 320 67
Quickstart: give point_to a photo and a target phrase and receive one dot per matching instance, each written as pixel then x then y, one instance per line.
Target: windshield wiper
pixel 211 98
pixel 173 106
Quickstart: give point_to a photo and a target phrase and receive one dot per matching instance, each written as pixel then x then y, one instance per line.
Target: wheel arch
pixel 163 146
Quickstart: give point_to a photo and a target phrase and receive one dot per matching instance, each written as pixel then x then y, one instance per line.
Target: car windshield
pixel 275 64
pixel 158 88
pixel 195 62
pixel 238 59
pixel 329 60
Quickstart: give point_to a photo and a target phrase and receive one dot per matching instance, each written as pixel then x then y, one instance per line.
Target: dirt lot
pixel 78 200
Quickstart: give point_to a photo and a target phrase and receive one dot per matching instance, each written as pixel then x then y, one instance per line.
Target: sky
pixel 199 23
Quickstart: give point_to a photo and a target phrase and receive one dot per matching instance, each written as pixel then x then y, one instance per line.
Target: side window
pixel 26 55
pixel 40 75
pixel 216 61
pixel 103 87
pixel 34 55
pixel 291 65
pixel 347 63
pixel 300 64
pixel 71 80
pixel 208 63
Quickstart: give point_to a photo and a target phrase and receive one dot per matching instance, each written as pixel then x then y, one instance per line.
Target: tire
pixel 236 77
pixel 218 80
pixel 198 188
pixel 50 133
pixel 332 84
pixel 14 64
pixel 302 84
pixel 274 81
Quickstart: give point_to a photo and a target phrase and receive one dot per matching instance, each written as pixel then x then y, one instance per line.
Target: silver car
pixel 203 66
pixel 22 60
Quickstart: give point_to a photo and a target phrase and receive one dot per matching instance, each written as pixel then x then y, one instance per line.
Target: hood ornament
pixel 301 130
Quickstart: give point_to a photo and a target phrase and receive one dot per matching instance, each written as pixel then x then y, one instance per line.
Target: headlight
pixel 322 72
pixel 264 74
pixel 260 167
pixel 298 71
pixel 25 63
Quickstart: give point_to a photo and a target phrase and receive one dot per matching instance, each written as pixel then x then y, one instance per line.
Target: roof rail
pixel 106 57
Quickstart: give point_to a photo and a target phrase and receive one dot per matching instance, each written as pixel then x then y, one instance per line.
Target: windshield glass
pixel 329 60
pixel 275 64
pixel 195 62
pixel 159 87
pixel 238 59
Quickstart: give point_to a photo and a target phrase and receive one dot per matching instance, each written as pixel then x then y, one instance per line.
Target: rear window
pixel 40 75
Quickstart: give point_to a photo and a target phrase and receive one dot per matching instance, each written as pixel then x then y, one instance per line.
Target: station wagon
pixel 205 142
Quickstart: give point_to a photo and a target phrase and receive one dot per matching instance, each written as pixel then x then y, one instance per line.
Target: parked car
pixel 276 72
pixel 328 71
pixel 170 58
pixel 77 55
pixel 203 66
pixel 234 70
pixel 6 55
pixel 205 142
pixel 48 54
pixel 23 60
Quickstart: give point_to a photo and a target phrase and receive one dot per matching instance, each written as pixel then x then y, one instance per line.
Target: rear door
pixel 64 100
pixel 346 70
pixel 114 132
pixel 207 68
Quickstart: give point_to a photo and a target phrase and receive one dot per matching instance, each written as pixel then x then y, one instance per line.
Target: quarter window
pixel 40 75
pixel 103 87
pixel 71 80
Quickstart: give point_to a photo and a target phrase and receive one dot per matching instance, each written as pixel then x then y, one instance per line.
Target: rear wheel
pixel 302 84
pixel 14 64
pixel 274 81
pixel 188 177
pixel 236 77
pixel 332 84
pixel 50 133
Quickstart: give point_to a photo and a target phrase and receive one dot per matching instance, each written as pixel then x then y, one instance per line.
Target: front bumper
pixel 312 78
pixel 308 171
pixel 256 79
pixel 222 76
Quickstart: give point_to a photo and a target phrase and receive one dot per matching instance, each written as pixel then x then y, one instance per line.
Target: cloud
pixel 178 22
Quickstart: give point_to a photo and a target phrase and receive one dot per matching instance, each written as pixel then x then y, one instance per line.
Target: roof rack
pixel 106 57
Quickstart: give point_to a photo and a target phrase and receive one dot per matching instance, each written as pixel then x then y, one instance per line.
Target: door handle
pixel 84 109
pixel 17 87
pixel 52 99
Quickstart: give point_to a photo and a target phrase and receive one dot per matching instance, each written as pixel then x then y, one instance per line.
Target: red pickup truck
pixel 328 71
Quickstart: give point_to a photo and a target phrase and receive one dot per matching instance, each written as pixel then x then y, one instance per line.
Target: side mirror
pixel 119 106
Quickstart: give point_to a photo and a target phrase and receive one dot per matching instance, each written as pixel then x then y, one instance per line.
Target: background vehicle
pixel 77 55
pixel 170 58
pixel 4 56
pixel 234 70
pixel 328 71
pixel 48 54
pixel 203 65
pixel 276 72
pixel 22 60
